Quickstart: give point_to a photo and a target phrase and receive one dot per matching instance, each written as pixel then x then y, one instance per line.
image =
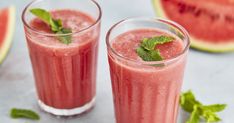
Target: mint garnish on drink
pixel 24 113
pixel 55 24
pixel 147 49
pixel 208 112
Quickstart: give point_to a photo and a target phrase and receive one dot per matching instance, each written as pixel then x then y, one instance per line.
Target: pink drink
pixel 145 93
pixel 65 75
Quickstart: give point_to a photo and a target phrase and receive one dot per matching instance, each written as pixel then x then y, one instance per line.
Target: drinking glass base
pixel 67 112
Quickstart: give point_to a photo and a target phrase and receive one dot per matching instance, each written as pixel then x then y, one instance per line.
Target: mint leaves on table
pixel 24 113
pixel 208 112
pixel 147 49
pixel 55 24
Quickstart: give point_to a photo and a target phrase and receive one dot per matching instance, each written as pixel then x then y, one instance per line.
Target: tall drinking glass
pixel 146 92
pixel 65 74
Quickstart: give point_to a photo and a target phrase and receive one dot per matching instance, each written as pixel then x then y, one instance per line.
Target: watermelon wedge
pixel 7 24
pixel 210 23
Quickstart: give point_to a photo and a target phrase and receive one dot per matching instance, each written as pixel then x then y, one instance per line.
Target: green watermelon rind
pixel 9 35
pixel 196 43
pixel 213 48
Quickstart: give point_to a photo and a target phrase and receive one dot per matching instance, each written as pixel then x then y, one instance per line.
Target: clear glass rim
pixel 97 21
pixel 174 24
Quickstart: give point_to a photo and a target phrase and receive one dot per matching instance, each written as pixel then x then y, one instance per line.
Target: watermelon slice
pixel 7 24
pixel 209 22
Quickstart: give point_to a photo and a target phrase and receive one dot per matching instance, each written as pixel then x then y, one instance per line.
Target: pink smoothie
pixel 143 93
pixel 65 75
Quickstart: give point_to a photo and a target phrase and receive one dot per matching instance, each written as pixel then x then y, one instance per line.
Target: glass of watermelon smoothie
pixel 65 74
pixel 146 91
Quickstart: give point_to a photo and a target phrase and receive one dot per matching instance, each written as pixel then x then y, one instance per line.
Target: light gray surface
pixel 210 76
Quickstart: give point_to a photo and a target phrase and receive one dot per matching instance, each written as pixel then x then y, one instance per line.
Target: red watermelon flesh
pixel 7 24
pixel 208 20
pixel 3 24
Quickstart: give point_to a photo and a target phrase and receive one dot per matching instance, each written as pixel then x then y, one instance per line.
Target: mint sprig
pixel 24 113
pixel 147 50
pixel 208 112
pixel 147 55
pixel 55 24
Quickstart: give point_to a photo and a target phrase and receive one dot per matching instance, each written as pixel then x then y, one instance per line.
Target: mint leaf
pixel 65 39
pixel 187 101
pixel 147 49
pixel 24 113
pixel 45 16
pixel 150 43
pixel 55 24
pixel 146 55
pixel 210 116
pixel 214 107
pixel 194 117
pixel 208 112
pixel 42 14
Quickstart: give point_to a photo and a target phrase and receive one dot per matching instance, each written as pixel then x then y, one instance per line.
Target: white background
pixel 210 76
